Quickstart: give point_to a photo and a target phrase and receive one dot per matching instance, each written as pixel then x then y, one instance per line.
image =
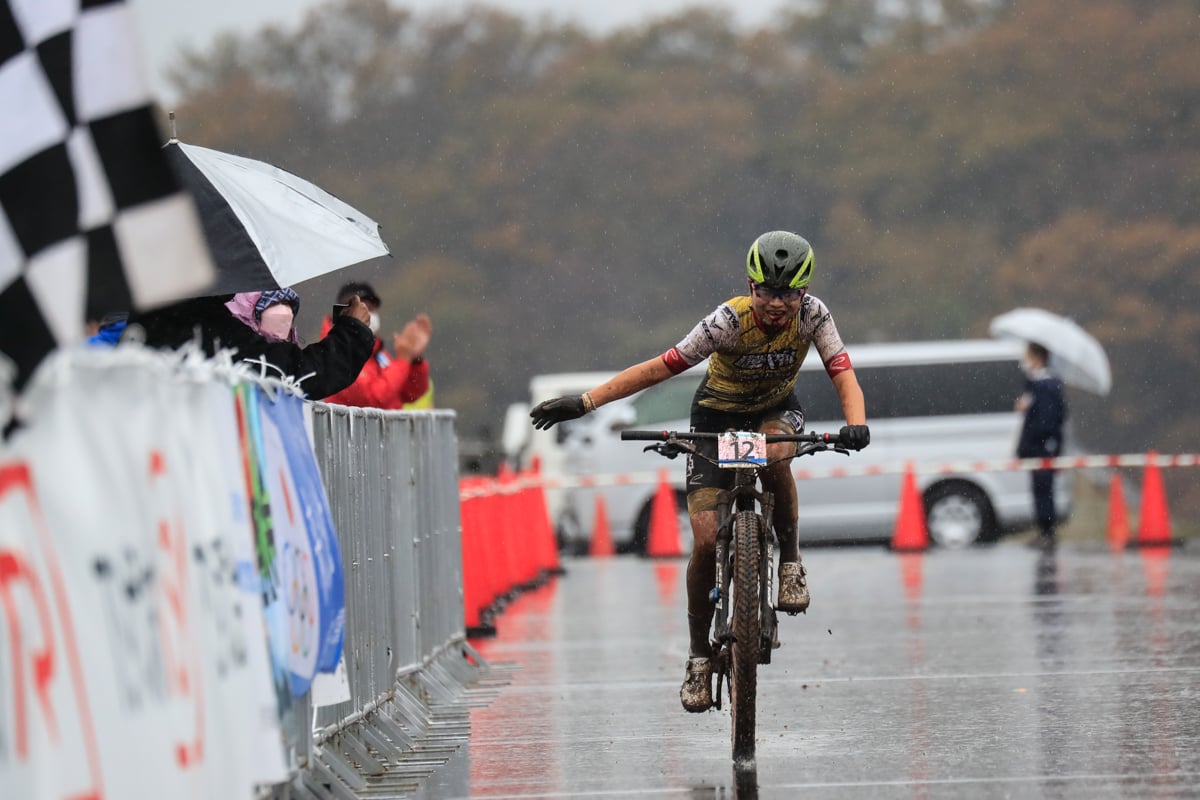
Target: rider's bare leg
pixel 782 486
pixel 778 480
pixel 702 566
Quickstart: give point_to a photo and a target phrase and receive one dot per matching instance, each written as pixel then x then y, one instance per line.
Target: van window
pixel 927 390
pixel 669 400
pixel 917 390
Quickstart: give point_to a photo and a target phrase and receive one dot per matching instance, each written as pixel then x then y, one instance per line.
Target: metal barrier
pixel 392 483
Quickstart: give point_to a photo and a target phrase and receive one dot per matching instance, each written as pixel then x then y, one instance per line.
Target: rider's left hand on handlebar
pixel 855 437
pixel 557 410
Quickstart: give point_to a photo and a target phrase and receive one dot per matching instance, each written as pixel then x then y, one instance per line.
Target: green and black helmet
pixel 780 260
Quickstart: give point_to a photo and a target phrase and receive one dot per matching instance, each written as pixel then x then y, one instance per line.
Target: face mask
pixel 374 323
pixel 276 321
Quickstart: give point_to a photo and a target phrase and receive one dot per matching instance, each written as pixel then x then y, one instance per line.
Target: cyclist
pixel 755 344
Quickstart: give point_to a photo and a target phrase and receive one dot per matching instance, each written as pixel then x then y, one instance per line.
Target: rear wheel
pixel 747 633
pixel 958 514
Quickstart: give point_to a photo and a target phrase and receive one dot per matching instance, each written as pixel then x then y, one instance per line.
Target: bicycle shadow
pixel 745 784
pixel 744 787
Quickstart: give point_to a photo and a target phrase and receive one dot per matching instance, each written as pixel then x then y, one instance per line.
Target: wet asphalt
pixel 992 672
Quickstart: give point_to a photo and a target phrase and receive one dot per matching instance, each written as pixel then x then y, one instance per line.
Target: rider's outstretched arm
pixel 630 380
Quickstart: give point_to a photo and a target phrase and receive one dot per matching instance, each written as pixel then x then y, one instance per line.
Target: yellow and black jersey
pixel 748 368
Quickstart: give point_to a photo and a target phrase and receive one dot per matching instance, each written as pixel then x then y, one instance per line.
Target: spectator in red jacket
pixel 386 381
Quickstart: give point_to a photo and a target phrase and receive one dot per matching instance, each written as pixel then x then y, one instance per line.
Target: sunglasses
pixel 786 295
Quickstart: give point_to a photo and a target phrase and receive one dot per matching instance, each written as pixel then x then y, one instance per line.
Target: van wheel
pixel 569 534
pixel 958 514
pixel 641 528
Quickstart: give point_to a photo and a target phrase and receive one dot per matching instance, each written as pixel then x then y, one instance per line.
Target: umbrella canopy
pixel 267 228
pixel 1075 355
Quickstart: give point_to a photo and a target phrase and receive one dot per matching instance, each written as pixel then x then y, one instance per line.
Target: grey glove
pixel 855 437
pixel 549 412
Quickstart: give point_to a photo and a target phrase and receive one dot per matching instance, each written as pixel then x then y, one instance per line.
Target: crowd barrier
pixel 176 535
pixel 392 483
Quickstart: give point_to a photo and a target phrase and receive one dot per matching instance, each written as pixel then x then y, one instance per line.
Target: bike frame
pixel 744 496
pixel 737 663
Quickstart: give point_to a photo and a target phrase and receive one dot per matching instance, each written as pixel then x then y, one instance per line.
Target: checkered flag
pixel 91 217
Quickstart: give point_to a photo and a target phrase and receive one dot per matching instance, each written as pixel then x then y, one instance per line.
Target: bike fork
pixel 722 638
pixel 766 577
pixel 770 621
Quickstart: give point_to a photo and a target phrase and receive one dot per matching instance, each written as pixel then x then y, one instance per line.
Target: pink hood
pixel 242 307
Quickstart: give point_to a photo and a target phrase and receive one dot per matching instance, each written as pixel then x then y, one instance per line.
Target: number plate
pixel 741 449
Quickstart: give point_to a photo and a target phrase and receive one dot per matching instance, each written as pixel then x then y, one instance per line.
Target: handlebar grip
pixel 645 436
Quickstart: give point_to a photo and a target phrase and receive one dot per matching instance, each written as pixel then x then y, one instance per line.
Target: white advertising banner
pixel 134 656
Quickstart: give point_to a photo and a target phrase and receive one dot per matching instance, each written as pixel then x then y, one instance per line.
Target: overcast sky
pixel 168 25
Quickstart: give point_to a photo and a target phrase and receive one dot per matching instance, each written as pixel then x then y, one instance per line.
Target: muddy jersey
pixel 748 368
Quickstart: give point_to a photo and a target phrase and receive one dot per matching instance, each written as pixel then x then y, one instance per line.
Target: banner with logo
pixel 308 560
pixel 134 658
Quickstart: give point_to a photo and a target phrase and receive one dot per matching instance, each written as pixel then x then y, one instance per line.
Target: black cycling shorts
pixel 703 475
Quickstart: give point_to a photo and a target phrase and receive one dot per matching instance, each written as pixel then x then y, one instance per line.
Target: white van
pixel 524 446
pixel 938 402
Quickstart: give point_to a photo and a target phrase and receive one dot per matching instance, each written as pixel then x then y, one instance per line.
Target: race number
pixel 741 449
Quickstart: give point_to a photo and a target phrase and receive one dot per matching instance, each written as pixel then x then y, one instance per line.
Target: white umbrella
pixel 1075 355
pixel 267 228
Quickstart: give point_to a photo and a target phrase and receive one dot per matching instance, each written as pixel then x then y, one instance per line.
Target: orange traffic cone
pixel 1154 527
pixel 1118 520
pixel 663 538
pixel 910 534
pixel 602 542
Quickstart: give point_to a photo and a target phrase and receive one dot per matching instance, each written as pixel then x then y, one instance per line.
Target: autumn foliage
pixel 559 200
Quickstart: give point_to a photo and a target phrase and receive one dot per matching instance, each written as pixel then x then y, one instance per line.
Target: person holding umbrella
pixel 323 368
pixel 267 229
pixel 1058 352
pixel 1045 410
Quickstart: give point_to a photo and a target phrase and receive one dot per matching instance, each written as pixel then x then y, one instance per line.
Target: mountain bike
pixel 744 631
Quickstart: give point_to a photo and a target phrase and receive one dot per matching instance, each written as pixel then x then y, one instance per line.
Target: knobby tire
pixel 747 632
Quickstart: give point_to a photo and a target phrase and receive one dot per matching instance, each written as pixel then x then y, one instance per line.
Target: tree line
pixel 562 200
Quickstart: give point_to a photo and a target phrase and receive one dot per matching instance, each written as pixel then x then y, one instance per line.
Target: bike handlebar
pixel 696 436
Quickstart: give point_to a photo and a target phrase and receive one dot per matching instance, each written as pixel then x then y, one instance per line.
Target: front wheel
pixel 747 633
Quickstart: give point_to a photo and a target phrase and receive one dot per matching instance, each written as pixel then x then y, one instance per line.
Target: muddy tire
pixel 747 632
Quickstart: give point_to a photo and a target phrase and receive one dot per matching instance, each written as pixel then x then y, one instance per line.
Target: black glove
pixel 855 437
pixel 549 412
